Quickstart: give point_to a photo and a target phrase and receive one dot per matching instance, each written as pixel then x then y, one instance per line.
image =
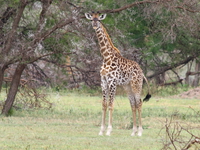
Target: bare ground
pixel 191 94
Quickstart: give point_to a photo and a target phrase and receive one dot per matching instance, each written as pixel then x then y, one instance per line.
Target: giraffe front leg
pixel 109 129
pixel 111 106
pixel 104 105
pixel 103 126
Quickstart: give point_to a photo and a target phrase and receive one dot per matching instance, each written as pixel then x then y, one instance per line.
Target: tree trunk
pixel 1 78
pixel 187 81
pixel 188 73
pixel 160 79
pixel 2 69
pixel 197 76
pixel 13 89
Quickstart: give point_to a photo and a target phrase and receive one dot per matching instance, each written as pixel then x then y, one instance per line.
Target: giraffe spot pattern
pixel 117 69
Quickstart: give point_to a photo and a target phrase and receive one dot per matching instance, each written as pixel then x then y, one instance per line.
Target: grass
pixel 74 122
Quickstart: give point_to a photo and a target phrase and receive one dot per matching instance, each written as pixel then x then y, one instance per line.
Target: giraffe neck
pixel 106 46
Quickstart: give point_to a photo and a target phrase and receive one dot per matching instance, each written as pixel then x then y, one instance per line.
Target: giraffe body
pixel 117 70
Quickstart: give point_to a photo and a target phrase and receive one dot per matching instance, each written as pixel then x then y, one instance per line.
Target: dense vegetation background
pixel 50 43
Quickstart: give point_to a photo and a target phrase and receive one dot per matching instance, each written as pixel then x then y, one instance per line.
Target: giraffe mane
pixel 109 39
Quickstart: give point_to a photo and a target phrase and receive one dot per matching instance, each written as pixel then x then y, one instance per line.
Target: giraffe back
pixel 123 70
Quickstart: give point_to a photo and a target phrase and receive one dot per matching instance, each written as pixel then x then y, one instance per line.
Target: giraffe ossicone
pixel 117 70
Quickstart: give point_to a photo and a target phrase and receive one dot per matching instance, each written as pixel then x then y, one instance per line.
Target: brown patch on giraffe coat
pixel 103 49
pixel 104 72
pixel 108 47
pixel 108 63
pixel 100 38
pixel 102 44
pixel 106 59
pixel 113 73
pixel 135 72
pixel 113 68
pixel 107 68
pixel 106 54
pixel 115 59
pixel 97 32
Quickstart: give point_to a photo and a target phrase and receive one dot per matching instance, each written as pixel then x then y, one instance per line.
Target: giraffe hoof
pixel 139 134
pixel 100 133
pixel 108 133
pixel 133 134
pixel 140 130
pixel 109 130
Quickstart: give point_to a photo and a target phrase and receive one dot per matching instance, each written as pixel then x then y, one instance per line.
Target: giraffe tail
pixel 148 96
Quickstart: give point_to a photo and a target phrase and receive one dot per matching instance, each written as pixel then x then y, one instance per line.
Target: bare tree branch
pixel 73 5
pixel 164 69
pixel 45 6
pixel 15 24
pixel 128 6
pixel 176 135
pixel 187 9
pixel 59 25
pixel 147 2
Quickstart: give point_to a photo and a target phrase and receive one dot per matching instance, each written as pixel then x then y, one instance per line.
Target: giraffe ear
pixel 88 16
pixel 103 16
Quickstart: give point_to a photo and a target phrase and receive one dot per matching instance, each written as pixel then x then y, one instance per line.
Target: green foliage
pixel 165 91
pixel 92 91
pixel 50 22
pixel 57 45
pixel 11 3
pixel 11 112
pixel 168 47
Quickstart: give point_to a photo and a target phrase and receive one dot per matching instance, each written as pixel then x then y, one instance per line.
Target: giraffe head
pixel 95 18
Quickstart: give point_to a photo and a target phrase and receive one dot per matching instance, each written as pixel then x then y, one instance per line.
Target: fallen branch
pixel 197 140
pixel 178 136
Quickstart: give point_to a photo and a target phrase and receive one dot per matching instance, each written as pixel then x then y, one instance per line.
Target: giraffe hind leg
pixel 136 106
pixel 140 129
pixel 131 97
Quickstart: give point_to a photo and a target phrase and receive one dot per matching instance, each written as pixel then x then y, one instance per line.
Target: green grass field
pixel 74 121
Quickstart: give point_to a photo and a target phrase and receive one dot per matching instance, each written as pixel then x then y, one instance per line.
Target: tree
pixel 174 38
pixel 23 35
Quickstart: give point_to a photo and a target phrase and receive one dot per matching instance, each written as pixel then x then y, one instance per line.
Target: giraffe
pixel 117 70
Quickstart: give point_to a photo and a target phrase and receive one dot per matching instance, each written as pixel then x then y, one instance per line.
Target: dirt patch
pixel 191 94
